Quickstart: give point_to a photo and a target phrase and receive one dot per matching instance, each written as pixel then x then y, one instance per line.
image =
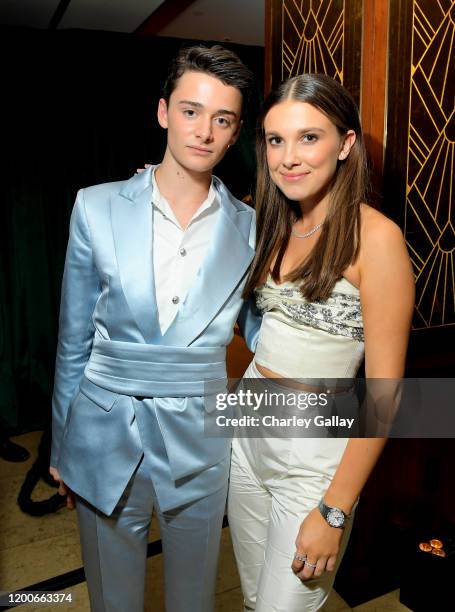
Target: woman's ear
pixel 162 113
pixel 348 143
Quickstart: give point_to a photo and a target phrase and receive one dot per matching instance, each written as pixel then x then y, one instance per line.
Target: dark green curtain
pixel 79 109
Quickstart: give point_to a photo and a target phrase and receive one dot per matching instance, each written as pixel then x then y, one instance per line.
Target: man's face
pixel 202 119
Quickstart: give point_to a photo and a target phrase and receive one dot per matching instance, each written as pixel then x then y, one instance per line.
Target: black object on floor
pixel 40 470
pixel 10 451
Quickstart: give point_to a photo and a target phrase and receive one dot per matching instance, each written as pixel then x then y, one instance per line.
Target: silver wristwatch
pixel 334 516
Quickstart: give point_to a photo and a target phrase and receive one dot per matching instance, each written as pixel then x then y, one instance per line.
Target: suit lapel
pixel 132 226
pixel 223 268
pixel 224 265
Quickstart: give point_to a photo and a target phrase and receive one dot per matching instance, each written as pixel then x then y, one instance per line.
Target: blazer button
pixel 175 299
pixel 182 252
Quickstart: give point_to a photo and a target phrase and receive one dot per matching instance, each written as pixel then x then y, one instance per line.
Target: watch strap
pixel 324 509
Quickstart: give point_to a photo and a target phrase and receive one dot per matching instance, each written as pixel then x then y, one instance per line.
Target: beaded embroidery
pixel 340 314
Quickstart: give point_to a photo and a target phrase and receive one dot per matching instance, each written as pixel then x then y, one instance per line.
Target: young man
pixel 152 286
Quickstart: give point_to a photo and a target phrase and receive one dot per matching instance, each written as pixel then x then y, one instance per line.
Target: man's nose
pixel 204 130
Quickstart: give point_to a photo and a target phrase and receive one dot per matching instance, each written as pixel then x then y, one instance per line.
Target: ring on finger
pixel 300 557
pixel 313 565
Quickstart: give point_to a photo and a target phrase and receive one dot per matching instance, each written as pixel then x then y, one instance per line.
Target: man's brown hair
pixel 216 61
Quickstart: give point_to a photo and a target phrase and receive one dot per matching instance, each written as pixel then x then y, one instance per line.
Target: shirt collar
pixel 160 202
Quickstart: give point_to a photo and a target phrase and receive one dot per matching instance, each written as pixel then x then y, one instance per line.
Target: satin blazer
pixel 111 350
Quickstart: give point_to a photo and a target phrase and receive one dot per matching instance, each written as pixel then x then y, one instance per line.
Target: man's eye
pixel 274 140
pixel 223 121
pixel 189 112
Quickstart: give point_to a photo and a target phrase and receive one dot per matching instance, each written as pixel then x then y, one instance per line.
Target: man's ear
pixel 162 113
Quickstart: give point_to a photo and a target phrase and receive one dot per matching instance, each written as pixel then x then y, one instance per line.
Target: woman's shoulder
pixel 382 247
pixel 378 230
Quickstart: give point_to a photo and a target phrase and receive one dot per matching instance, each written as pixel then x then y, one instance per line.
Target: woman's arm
pixel 387 297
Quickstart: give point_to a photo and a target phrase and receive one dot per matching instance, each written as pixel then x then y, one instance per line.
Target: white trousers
pixel 274 484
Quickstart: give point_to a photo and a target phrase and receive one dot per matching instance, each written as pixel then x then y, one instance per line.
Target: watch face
pixel 335 517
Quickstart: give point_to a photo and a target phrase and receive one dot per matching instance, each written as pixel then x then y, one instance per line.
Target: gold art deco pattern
pixel 429 227
pixel 312 37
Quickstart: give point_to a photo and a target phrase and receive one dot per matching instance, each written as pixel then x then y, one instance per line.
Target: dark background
pixel 79 108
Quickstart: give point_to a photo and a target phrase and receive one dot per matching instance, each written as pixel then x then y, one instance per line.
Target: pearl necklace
pixel 309 233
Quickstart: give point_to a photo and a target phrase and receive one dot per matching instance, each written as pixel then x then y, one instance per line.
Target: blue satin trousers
pixel 114 548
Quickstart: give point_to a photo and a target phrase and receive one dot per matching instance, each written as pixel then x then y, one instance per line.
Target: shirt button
pixel 182 252
pixel 175 299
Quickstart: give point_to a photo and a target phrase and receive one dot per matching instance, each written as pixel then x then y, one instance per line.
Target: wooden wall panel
pixel 420 149
pixel 373 87
pixel 313 36
pixel 396 57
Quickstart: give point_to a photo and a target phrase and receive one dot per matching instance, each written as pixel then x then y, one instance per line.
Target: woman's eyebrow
pixel 301 131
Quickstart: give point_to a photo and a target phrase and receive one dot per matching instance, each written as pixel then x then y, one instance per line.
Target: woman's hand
pixel 140 170
pixel 319 543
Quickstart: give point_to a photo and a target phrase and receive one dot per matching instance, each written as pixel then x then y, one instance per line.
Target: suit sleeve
pixel 250 318
pixel 80 291
pixel 249 321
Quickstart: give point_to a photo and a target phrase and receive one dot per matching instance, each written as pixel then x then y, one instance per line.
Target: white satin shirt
pixel 178 252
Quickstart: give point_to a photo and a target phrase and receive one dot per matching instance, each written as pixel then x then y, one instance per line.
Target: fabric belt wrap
pixel 149 370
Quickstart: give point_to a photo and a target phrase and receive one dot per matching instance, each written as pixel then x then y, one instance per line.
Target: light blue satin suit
pixel 129 402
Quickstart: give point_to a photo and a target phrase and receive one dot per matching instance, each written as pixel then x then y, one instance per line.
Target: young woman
pixel 333 280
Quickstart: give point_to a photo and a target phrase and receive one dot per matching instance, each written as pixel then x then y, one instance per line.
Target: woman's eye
pixel 274 140
pixel 310 138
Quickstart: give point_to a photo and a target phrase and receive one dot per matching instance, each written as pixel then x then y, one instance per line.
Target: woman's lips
pixel 293 178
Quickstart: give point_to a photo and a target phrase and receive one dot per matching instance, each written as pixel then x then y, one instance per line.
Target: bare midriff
pixel 288 382
pixel 266 372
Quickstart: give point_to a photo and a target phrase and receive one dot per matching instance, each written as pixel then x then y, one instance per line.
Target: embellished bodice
pixel 301 338
pixel 340 314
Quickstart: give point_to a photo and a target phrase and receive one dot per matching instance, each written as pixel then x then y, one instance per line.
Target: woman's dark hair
pixel 215 61
pixel 338 244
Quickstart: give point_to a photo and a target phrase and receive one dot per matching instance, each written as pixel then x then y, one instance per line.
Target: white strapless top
pixel 301 339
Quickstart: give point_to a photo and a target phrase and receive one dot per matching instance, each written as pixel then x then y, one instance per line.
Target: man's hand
pixel 140 170
pixel 317 546
pixel 63 489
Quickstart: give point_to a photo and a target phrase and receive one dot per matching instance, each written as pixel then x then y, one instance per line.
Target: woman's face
pixel 303 149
